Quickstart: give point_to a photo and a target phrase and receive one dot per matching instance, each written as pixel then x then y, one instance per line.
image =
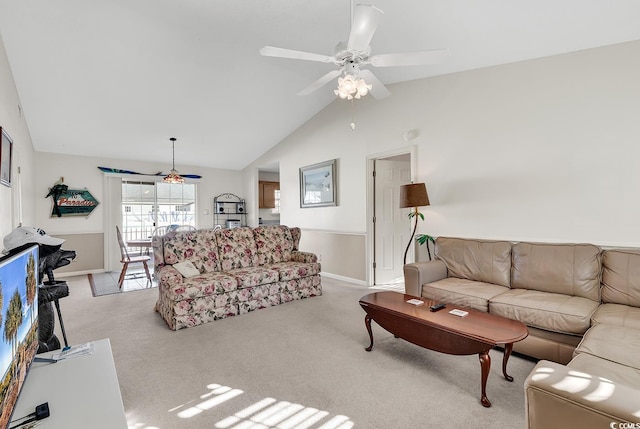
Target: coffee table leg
pixel 508 348
pixel 485 364
pixel 367 322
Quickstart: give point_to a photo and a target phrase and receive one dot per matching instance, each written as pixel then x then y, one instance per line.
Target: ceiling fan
pixel 355 53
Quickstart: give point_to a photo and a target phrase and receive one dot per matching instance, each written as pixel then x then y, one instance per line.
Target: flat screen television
pixel 19 328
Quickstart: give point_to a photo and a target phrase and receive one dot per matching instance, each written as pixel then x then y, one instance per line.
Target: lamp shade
pixel 413 195
pixel 173 177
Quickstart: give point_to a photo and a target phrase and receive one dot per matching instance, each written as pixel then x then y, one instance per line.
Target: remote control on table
pixel 437 307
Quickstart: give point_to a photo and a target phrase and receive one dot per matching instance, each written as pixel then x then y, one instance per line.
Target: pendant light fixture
pixel 173 176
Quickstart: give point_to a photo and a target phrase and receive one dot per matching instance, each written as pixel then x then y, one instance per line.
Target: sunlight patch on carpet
pixel 268 413
pixel 217 396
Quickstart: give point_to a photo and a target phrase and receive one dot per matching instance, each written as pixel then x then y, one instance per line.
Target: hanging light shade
pixel 351 87
pixel 413 195
pixel 173 176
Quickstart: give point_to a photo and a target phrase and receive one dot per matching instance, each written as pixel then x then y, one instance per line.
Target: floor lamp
pixel 413 195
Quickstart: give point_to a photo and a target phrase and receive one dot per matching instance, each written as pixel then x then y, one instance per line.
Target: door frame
pixel 370 238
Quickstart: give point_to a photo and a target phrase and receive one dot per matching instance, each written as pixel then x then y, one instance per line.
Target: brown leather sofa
pixel 582 307
pixel 600 386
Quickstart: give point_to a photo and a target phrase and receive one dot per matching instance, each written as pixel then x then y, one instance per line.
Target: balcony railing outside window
pixel 147 206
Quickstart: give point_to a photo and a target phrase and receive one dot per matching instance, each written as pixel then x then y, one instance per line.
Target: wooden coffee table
pixel 477 332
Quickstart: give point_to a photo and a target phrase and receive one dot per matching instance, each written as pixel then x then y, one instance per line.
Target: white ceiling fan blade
pixel 365 22
pixel 378 90
pixel 271 51
pixel 417 58
pixel 320 82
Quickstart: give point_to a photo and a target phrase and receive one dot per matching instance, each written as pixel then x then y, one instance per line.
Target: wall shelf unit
pixel 229 211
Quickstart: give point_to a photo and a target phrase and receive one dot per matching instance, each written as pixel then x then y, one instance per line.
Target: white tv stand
pixel 81 391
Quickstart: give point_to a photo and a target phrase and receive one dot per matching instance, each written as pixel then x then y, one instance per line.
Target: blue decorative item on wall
pixel 159 173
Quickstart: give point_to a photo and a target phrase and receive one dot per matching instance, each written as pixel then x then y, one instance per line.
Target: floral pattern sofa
pixel 240 270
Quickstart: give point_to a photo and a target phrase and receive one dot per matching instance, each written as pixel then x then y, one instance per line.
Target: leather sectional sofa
pixel 234 271
pixel 581 304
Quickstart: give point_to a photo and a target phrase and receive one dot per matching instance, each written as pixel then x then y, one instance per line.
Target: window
pixel 148 205
pixel 276 209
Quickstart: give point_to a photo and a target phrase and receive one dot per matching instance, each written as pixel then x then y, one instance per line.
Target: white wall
pixel 82 172
pixel 13 121
pixel 326 136
pixel 541 150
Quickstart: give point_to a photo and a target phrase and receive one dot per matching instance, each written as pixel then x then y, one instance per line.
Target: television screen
pixel 19 328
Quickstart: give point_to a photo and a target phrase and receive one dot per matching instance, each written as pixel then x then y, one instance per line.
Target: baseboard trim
pixel 344 279
pixel 78 273
pixel 325 274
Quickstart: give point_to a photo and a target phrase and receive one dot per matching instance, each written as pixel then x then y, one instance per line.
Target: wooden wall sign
pixel 71 202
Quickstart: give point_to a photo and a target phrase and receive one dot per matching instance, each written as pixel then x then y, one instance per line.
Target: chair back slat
pixel 164 230
pixel 124 253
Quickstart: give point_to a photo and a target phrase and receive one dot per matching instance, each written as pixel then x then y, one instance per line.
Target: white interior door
pixel 391 227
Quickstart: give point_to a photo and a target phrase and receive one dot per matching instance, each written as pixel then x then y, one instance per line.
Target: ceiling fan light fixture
pixel 362 88
pixel 356 52
pixel 173 177
pixel 351 87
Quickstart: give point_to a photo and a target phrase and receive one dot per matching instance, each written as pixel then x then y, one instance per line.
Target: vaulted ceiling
pixel 118 78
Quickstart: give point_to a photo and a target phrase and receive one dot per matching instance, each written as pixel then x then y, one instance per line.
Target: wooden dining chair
pixel 164 230
pixel 128 260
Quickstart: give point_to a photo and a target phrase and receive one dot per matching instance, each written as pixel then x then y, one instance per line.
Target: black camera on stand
pixel 51 291
pixel 50 257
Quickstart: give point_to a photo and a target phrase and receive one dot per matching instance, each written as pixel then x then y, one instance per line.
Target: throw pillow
pixel 186 268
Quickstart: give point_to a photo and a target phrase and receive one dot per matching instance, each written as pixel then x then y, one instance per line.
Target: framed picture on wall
pixel 318 184
pixel 6 152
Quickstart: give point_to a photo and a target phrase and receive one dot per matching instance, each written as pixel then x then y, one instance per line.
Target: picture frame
pixel 318 185
pixel 6 154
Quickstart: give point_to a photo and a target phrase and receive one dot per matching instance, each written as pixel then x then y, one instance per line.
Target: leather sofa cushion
pixel 606 369
pixel 557 396
pixel 568 269
pixel 621 277
pixel 198 247
pixel 544 310
pixel 614 343
pixel 618 315
pixel 555 337
pixel 463 292
pixel 479 260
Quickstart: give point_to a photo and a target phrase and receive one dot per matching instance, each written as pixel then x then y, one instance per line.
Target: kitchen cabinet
pixel 267 194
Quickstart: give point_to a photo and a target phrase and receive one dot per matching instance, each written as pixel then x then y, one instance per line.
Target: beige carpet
pixel 297 365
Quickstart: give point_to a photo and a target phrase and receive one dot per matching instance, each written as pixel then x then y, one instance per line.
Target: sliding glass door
pixel 149 205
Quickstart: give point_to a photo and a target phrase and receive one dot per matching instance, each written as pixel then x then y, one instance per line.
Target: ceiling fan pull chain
pixel 353 120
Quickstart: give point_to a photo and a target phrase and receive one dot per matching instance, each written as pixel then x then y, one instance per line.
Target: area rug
pixel 107 283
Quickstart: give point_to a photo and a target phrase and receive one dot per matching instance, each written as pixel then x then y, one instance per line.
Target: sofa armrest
pixel 419 273
pixel 559 396
pixel 169 276
pixel 298 256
